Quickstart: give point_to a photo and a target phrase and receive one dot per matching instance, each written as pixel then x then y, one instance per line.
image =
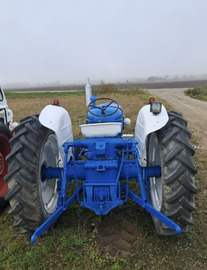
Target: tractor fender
pixel 57 119
pixel 146 123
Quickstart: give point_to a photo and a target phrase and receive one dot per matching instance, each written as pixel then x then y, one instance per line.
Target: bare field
pixel 125 238
pixel 129 85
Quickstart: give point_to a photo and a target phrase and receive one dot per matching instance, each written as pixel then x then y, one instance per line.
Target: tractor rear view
pixel 6 116
pixel 158 158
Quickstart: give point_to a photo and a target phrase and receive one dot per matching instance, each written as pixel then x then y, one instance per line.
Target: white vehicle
pixel 6 127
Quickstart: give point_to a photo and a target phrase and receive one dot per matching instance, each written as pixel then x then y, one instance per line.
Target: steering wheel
pixel 103 108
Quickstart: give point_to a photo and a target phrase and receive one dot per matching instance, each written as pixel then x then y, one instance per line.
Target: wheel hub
pixel 2 164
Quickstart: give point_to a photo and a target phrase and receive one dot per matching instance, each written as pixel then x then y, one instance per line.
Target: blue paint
pixel 103 113
pixel 106 163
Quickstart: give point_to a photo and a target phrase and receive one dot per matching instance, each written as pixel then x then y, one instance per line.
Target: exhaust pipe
pixel 88 92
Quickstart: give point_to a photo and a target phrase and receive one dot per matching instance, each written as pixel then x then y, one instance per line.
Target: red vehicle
pixel 6 127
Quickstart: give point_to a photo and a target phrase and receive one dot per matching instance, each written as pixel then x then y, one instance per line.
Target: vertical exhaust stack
pixel 88 92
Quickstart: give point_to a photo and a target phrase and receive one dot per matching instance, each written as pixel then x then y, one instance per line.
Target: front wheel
pixel 32 201
pixel 172 193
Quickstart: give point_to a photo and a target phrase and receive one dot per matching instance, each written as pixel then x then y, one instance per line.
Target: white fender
pixel 146 123
pixel 57 119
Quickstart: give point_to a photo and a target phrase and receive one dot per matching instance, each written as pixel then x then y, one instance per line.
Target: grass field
pixel 197 93
pixel 77 240
pixel 24 104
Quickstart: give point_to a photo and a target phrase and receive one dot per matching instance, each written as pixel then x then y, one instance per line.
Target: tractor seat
pixel 97 130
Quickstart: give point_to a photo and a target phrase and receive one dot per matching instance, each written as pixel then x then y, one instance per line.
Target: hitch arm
pixel 168 222
pixel 54 217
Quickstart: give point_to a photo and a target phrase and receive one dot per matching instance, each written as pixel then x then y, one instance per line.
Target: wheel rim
pixel 5 150
pixel 154 159
pixel 48 187
pixel 2 164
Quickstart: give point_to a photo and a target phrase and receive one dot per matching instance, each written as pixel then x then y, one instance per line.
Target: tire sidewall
pixel 157 223
pixel 47 134
pixel 25 160
pixel 178 182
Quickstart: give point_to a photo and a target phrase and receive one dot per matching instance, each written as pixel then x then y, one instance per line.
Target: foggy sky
pixel 68 41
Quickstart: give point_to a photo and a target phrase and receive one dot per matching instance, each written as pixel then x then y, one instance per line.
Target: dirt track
pixel 193 110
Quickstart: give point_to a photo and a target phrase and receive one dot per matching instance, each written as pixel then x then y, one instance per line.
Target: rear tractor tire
pixel 172 193
pixel 32 201
pixel 5 135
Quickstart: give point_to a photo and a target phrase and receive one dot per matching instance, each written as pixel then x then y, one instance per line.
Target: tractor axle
pixel 102 189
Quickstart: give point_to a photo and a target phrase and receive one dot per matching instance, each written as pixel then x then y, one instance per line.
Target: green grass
pixel 98 92
pixel 70 245
pixel 15 95
pixel 197 93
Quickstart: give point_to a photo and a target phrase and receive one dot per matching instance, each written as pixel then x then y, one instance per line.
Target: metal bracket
pixel 54 217
pixel 172 225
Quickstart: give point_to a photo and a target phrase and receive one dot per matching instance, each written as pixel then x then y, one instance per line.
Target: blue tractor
pixel 158 158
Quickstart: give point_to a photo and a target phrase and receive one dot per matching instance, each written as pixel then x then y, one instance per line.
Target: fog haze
pixel 68 41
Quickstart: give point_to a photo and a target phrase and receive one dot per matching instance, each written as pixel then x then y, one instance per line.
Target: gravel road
pixel 193 110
